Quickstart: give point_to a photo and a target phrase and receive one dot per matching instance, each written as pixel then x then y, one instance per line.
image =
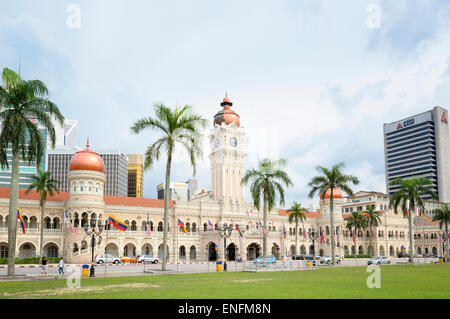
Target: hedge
pixel 359 256
pixel 32 260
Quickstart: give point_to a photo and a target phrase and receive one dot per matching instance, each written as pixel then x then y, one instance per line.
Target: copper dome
pixel 336 193
pixel 226 115
pixel 87 160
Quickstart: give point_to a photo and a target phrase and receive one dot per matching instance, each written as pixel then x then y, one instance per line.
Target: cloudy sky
pixel 318 77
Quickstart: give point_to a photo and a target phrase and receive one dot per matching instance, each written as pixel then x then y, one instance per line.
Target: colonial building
pixel 85 204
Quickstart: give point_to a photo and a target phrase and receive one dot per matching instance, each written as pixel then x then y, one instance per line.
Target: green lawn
pixel 397 281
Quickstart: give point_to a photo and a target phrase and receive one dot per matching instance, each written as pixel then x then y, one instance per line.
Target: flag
pixel 19 217
pixel 210 226
pixel 263 229
pixel 353 234
pixel 406 212
pixel 322 238
pixel 247 213
pixel 72 228
pixel 117 223
pixel 420 212
pixel 148 226
pixel 237 228
pixel 284 232
pixel 304 233
pixel 182 226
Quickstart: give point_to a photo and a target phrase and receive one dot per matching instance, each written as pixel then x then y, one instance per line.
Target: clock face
pixel 216 142
pixel 233 141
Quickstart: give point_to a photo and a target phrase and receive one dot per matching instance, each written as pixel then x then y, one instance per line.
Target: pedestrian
pixel 61 266
pixel 44 266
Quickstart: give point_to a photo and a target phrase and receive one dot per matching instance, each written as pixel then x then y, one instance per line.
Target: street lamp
pixel 313 235
pixel 225 232
pixel 93 233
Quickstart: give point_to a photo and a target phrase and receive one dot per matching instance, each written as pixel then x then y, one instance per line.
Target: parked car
pixel 378 260
pixel 148 259
pixel 327 259
pixel 402 255
pixel 106 258
pixel 129 260
pixel 270 259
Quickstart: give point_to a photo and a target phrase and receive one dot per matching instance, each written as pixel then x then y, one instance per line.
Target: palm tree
pixel 373 220
pixel 179 126
pixel 267 181
pixel 297 213
pixel 357 222
pixel 409 197
pixel 443 216
pixel 21 101
pixel 329 179
pixel 44 185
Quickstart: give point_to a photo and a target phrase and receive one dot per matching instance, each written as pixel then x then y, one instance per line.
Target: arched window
pixel 160 226
pixel 47 223
pixel 194 227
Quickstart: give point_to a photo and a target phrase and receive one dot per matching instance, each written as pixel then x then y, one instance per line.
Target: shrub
pixel 30 260
pixel 359 256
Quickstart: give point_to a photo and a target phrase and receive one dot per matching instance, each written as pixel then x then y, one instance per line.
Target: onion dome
pixel 226 115
pixel 87 160
pixel 336 193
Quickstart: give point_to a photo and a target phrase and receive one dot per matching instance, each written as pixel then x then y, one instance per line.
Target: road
pixel 138 269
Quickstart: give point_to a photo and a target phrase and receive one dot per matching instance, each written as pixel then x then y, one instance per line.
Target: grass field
pixel 397 281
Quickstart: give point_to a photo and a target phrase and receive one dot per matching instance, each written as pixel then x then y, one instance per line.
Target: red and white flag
pixel 72 228
pixel 148 226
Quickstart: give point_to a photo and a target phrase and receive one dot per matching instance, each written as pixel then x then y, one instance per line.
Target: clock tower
pixel 227 156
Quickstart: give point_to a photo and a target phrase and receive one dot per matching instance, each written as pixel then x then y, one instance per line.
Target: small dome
pixel 336 193
pixel 226 115
pixel 87 160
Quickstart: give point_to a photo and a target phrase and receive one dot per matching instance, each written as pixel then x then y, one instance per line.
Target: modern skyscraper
pixel 116 168
pixel 135 175
pixel 419 146
pixel 64 135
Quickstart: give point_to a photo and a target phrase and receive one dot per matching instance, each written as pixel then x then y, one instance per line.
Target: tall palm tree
pixel 329 179
pixel 297 214
pixel 21 101
pixel 268 181
pixel 443 216
pixel 179 126
pixel 45 185
pixel 373 220
pixel 357 222
pixel 409 197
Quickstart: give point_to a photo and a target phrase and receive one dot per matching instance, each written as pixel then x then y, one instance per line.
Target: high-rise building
pixel 179 190
pixel 419 146
pixel 116 168
pixel 135 175
pixel 64 135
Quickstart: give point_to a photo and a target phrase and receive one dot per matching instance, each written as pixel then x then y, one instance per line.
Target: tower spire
pixel 87 143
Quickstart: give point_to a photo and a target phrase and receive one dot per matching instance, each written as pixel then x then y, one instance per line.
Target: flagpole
pixel 178 253
pixel 64 237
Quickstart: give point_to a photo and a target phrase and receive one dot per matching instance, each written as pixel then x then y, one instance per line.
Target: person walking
pixel 44 266
pixel 61 266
